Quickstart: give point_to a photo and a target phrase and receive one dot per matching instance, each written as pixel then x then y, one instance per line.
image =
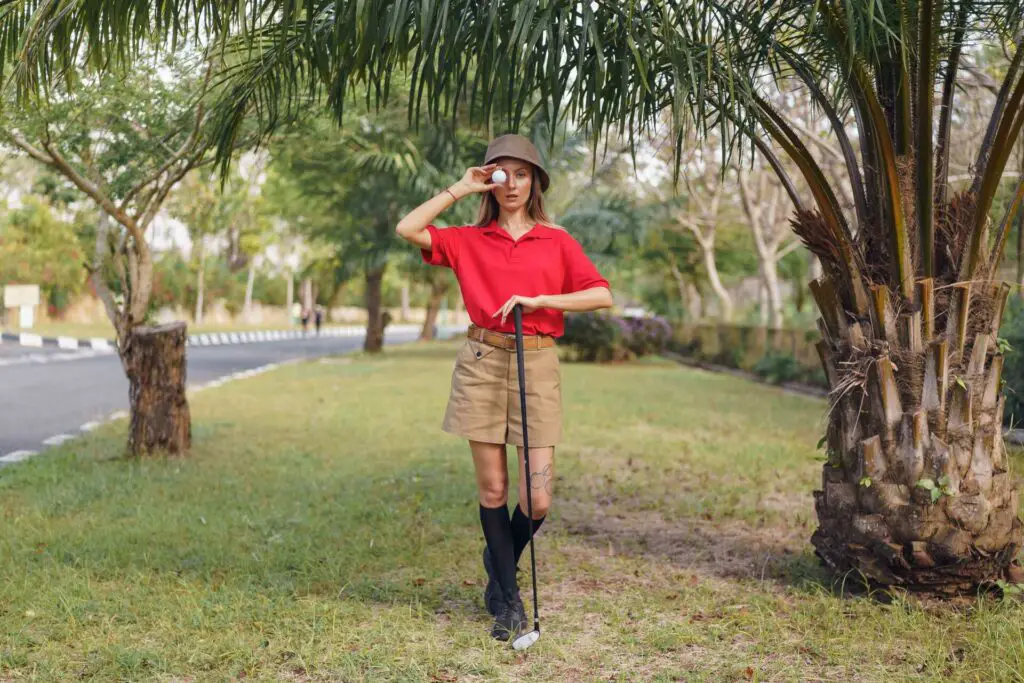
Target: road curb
pixel 66 343
pixel 200 339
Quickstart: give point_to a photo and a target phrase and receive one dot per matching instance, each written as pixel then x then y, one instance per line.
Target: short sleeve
pixel 580 272
pixel 444 247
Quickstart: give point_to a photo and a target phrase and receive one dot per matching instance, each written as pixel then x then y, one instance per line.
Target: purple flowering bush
pixel 646 336
pixel 602 337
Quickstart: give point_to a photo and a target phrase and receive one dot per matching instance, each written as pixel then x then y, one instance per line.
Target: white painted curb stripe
pixel 57 440
pixel 17 456
pixel 67 342
pixel 28 339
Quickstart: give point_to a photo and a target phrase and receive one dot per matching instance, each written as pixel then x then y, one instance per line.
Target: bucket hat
pixel 517 147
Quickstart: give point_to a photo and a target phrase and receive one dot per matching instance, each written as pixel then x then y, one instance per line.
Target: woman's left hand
pixel 530 304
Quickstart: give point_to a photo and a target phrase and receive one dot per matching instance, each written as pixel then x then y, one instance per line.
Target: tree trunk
pixel 290 296
pixel 696 302
pixel 374 341
pixel 708 249
pixel 770 277
pixel 916 490
pixel 307 294
pixel 459 308
pixel 762 302
pixel 437 294
pixel 154 360
pixel 247 306
pixel 405 302
pixel 680 284
pixel 200 286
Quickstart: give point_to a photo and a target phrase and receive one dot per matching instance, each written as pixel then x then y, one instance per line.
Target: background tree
pixel 124 141
pixel 38 247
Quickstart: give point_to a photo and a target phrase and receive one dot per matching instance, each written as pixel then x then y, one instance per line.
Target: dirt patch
pixel 730 549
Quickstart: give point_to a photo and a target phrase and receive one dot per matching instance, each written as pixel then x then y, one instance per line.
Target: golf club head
pixel 526 640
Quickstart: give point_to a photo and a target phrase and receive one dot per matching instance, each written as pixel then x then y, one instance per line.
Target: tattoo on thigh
pixel 542 479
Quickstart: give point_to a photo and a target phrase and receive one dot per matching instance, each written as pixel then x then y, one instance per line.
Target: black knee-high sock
pixel 521 530
pixel 498 534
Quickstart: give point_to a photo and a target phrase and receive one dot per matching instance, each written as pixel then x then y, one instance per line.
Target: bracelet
pixel 448 190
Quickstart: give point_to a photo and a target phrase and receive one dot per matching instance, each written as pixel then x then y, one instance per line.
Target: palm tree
pixel 916 489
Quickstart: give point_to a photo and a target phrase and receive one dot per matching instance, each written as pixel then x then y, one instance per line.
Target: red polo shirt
pixel 491 267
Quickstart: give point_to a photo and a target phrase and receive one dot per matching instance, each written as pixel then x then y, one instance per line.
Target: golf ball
pixel 499 177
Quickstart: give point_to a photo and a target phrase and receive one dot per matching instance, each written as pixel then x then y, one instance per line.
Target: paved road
pixel 42 400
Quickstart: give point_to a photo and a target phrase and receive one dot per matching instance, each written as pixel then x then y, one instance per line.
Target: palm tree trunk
pixel 916 490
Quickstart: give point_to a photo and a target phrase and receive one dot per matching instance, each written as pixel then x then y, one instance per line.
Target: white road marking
pixel 57 439
pixel 89 426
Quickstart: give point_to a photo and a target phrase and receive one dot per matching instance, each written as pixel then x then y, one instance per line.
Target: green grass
pixel 324 529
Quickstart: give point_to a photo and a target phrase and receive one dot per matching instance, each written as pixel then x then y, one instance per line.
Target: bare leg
pixel 542 479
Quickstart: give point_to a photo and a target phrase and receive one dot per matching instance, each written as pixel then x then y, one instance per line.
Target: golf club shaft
pixel 521 363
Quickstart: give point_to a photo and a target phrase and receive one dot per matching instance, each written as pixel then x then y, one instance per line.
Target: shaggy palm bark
pixel 916 490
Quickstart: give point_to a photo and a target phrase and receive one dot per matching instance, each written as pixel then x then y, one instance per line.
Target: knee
pixel 541 505
pixel 540 502
pixel 494 493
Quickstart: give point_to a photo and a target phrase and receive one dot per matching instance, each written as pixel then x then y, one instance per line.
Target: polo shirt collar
pixel 537 232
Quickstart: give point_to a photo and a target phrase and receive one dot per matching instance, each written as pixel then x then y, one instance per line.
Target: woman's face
pixel 515 192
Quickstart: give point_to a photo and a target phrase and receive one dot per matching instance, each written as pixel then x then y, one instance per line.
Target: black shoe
pixel 492 593
pixel 511 618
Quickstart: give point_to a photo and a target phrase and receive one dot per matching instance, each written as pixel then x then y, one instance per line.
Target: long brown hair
pixel 489 208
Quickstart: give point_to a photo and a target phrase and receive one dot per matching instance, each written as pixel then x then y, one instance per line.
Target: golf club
pixel 527 639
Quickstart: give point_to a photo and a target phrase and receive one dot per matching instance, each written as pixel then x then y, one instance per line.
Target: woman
pixel 512 255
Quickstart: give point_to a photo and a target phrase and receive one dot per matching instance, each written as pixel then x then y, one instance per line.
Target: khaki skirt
pixel 484 400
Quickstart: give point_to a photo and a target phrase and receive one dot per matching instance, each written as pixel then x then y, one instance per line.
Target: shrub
pixel 602 337
pixel 595 337
pixel 778 367
pixel 646 336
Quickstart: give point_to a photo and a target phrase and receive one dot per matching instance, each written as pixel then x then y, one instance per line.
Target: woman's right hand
pixel 477 179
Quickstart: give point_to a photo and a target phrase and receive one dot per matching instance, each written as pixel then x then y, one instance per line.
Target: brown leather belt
pixel 508 341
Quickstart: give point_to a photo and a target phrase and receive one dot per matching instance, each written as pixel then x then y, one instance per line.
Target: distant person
pixel 305 321
pixel 513 254
pixel 319 319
